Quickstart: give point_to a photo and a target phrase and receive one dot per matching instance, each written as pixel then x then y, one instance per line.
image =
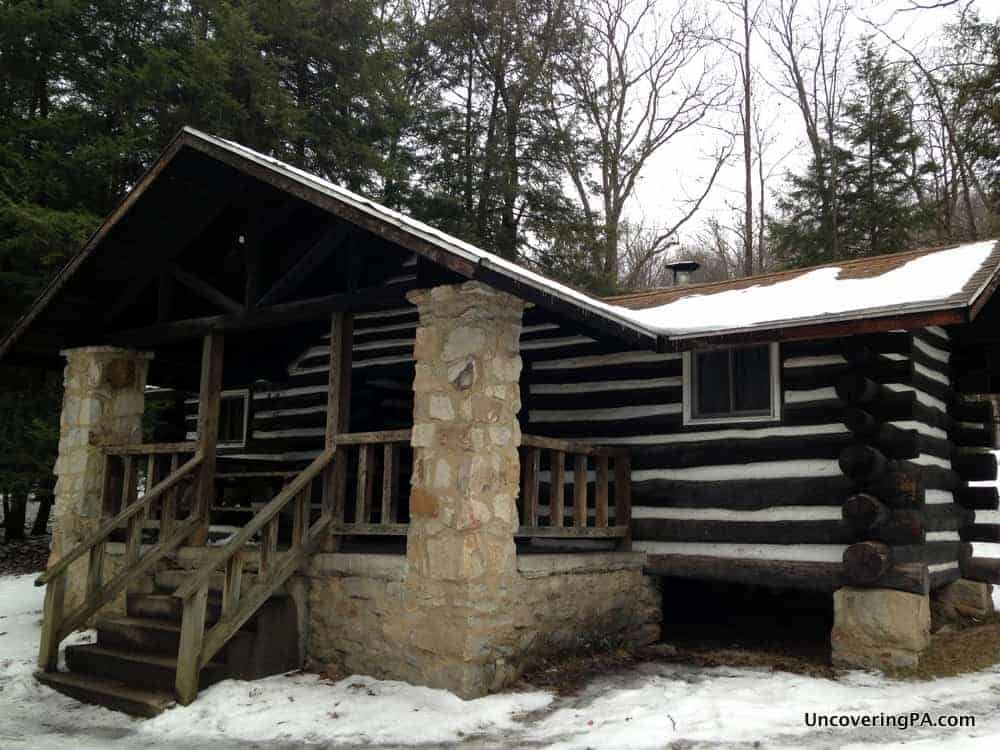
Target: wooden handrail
pixel 62 565
pixel 197 646
pixel 263 517
pixel 567 446
pixel 373 438
pixel 146 449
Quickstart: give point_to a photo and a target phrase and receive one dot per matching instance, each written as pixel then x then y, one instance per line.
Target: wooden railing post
pixel 557 481
pixel 268 546
pixel 168 506
pixel 601 493
pixel 209 394
pixel 95 571
pixel 300 516
pixel 623 498
pixel 232 584
pixel 52 620
pixel 580 491
pixel 532 468
pixel 365 483
pixel 338 420
pixel 390 481
pixel 189 651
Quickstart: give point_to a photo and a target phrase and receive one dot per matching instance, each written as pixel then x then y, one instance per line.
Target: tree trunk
pixel 17 509
pixel 46 497
pixel 747 149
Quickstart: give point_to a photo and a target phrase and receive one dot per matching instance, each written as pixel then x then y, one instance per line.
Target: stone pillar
pixel 460 545
pixel 103 400
pixel 879 628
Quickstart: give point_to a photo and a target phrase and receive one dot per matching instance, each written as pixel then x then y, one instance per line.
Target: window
pixel 739 384
pixel 233 417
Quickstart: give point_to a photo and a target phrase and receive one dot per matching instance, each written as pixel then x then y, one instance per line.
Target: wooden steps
pixel 109 693
pixel 133 665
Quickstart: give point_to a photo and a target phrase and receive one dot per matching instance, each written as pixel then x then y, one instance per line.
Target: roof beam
pixel 192 229
pixel 259 318
pixel 203 289
pixel 331 239
pixel 337 207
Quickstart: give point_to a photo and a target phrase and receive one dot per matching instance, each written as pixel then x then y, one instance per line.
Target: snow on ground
pixel 648 706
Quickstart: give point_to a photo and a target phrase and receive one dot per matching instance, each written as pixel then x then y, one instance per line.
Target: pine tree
pixel 880 169
pixel 880 204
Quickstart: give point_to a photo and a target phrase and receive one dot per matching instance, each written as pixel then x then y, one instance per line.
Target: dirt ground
pixel 736 626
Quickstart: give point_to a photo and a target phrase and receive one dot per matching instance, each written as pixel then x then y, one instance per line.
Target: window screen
pixel 732 382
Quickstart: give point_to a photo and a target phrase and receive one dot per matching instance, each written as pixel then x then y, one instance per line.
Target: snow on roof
pixel 905 282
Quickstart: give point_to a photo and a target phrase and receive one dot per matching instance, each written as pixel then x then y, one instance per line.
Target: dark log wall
pixel 871 459
pixel 916 445
pixel 864 452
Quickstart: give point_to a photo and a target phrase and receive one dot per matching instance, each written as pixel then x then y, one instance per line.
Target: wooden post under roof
pixel 338 417
pixel 209 395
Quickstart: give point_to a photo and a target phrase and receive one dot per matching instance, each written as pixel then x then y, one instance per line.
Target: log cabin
pixel 396 453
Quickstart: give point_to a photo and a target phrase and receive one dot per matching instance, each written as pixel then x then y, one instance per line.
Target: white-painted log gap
pixel 710 435
pixel 603 415
pixel 555 343
pixel 816 394
pixel 824 360
pixel 604 360
pixel 927 372
pixel 831 553
pixel 941 567
pixel 605 385
pixel 942 536
pixel 932 351
pixel 305 390
pixel 797 469
pixel 924 398
pixel 938 497
pixel 765 515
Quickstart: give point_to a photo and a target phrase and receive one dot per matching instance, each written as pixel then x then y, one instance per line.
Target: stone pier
pixel 463 513
pixel 103 401
pixel 879 628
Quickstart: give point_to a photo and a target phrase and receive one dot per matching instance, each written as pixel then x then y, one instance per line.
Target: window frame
pixel 689 390
pixel 245 394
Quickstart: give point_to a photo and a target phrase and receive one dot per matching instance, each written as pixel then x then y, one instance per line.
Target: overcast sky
pixel 680 169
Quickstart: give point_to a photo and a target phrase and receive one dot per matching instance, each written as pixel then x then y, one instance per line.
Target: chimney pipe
pixel 682 270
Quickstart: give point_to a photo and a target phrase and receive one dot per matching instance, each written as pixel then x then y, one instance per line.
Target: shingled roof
pixel 957 278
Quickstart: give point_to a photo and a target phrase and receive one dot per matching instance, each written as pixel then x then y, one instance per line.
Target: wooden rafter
pixel 300 311
pixel 331 239
pixel 191 231
pixel 204 290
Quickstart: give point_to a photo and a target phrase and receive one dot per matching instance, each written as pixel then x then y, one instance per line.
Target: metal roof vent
pixel 682 270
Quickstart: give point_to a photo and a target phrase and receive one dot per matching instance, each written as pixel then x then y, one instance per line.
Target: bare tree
pixel 739 44
pixel 810 52
pixel 643 78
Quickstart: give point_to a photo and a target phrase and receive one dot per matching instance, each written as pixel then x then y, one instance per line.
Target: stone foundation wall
pixel 359 609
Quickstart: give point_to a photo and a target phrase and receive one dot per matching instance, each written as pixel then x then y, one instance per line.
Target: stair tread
pixel 150 623
pixel 110 693
pixel 153 623
pixel 143 657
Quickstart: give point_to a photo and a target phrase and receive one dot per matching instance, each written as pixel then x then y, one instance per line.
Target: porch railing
pixel 139 480
pixel 576 481
pixel 376 461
